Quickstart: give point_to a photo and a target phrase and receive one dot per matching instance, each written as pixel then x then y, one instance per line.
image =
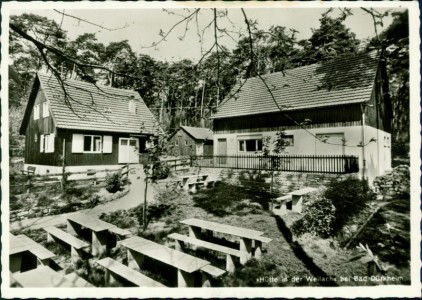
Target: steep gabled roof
pixel 91 107
pixel 346 80
pixel 199 133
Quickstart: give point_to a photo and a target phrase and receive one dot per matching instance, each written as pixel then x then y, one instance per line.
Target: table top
pixel 21 243
pixel 87 221
pixel 223 228
pixel 42 276
pixel 177 259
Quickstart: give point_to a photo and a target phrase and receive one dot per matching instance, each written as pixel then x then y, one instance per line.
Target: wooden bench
pixel 30 170
pixel 99 231
pixel 229 252
pixel 20 244
pixel 209 272
pixel 292 201
pixel 115 269
pixel 187 265
pixel 76 245
pixel 187 181
pixel 44 277
pixel 121 233
pixel 246 237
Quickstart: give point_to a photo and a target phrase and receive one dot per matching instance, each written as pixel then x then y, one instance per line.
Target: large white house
pixel 330 108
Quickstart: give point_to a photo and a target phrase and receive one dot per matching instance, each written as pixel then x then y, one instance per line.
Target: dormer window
pixel 132 106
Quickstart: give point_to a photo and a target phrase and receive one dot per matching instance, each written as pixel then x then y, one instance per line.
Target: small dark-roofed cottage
pixel 93 127
pixel 342 102
pixel 191 141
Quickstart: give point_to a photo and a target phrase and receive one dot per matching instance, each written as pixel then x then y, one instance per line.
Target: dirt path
pixel 132 199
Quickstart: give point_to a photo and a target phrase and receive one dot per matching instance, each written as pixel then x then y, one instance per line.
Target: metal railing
pixel 336 164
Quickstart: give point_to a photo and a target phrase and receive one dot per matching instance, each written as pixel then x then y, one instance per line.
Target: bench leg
pixel 297 203
pixel 99 242
pixel 246 246
pixel 71 227
pixel 134 260
pixel 230 266
pixel 185 279
pixel 75 254
pixel 44 262
pixel 206 280
pixel 179 246
pixel 50 238
pixel 258 249
pixel 194 232
pixel 15 262
pixel 109 278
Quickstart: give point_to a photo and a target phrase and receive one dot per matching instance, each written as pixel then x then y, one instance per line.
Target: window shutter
pixel 107 144
pixel 42 143
pixel 51 142
pixel 77 143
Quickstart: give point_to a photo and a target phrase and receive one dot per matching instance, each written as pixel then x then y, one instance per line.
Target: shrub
pixel 160 171
pixel 349 197
pixel 44 200
pixel 15 204
pixel 113 182
pixel 318 218
pixel 120 218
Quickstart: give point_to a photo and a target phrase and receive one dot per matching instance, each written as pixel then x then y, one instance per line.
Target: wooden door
pixel 128 150
pixel 222 150
pixel 123 150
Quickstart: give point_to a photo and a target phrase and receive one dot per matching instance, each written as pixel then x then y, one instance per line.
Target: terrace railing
pixel 335 164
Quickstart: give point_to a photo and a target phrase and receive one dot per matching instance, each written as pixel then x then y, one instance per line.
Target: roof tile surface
pixel 90 107
pixel 345 80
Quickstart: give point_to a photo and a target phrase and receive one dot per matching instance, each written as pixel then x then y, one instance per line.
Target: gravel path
pixel 132 199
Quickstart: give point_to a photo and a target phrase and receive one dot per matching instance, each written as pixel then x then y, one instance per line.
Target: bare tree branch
pixel 89 22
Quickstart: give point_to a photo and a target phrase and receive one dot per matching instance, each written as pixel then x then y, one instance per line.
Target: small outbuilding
pixel 191 141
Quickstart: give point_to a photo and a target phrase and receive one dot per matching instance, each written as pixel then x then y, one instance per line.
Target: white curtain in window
pixel 77 143
pixel 108 144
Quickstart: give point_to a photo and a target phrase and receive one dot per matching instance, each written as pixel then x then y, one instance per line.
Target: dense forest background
pixel 184 92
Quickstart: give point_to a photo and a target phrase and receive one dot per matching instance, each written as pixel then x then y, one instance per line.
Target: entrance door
pixel 128 150
pixel 222 150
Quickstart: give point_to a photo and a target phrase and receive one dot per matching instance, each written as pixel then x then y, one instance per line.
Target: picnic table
pixel 20 244
pixel 190 182
pixel 185 264
pixel 247 237
pixel 102 232
pixel 46 277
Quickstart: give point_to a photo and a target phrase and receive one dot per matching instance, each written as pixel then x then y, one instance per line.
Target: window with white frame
pixel 92 143
pixel 47 143
pixel 250 144
pixel 186 142
pixel 36 112
pixel 176 143
pixel 45 111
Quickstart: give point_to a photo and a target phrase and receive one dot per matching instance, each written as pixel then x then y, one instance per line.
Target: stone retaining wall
pixel 284 182
pixel 394 183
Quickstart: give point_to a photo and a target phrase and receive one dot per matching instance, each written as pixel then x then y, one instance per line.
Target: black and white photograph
pixel 257 149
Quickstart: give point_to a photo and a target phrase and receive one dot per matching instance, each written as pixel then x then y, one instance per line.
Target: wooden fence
pixel 335 164
pixel 34 180
pixel 178 163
